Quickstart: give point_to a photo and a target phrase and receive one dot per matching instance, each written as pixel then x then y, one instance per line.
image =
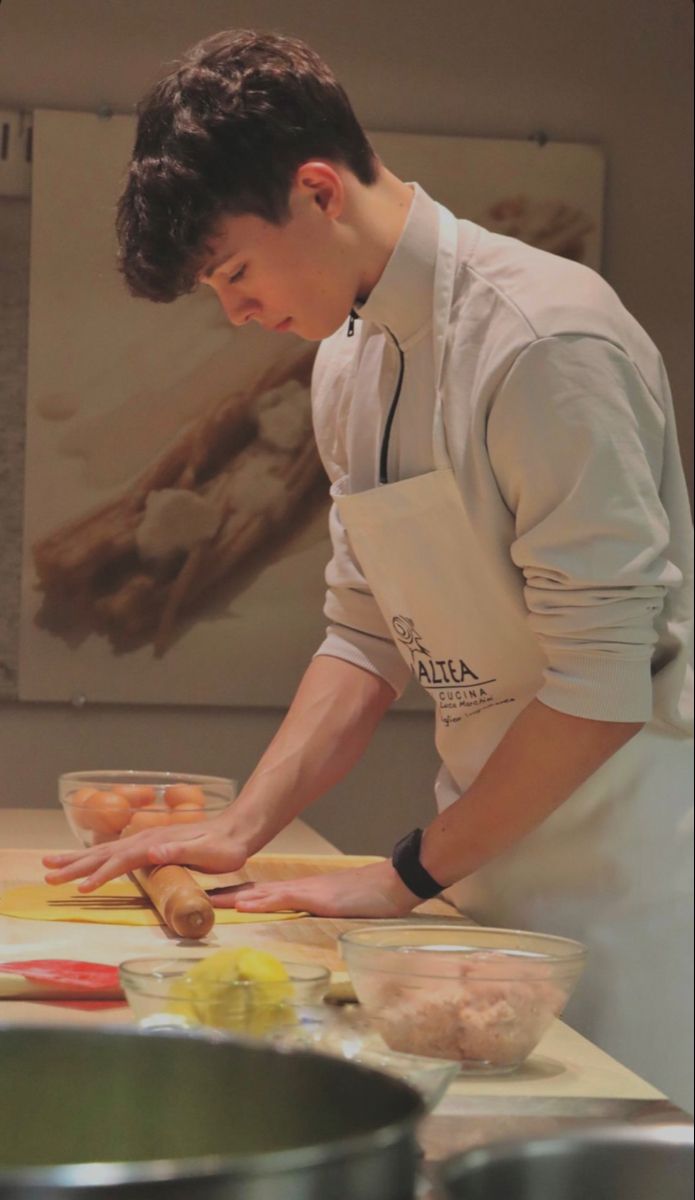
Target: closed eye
pixel 237 276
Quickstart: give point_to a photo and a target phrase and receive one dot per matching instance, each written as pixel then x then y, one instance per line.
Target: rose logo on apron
pixel 451 683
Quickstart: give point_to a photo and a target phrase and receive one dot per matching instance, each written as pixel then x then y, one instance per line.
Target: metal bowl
pixel 615 1162
pixel 110 1112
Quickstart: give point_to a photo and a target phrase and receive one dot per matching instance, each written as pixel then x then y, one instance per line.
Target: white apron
pixel 613 865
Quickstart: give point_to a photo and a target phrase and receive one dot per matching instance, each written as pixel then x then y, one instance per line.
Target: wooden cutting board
pixel 308 939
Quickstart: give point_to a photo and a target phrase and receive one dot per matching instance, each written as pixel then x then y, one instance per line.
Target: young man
pixel 510 525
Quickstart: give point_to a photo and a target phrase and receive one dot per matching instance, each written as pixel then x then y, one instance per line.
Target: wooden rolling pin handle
pixel 180 901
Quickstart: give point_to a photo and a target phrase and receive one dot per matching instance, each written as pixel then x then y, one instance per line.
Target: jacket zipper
pixel 384 452
pixel 384 455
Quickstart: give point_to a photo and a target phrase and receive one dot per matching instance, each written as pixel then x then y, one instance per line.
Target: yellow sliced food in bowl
pixel 240 989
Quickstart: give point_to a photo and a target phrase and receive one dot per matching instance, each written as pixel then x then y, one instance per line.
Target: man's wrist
pixel 244 828
pixel 407 864
pixel 400 892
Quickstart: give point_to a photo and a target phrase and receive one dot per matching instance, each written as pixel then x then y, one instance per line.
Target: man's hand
pixel 206 846
pixel 373 891
pixel 329 724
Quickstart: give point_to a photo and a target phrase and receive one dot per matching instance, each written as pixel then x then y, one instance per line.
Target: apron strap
pixel 444 277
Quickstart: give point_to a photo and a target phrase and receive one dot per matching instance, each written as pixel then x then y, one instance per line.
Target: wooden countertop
pixel 565 1067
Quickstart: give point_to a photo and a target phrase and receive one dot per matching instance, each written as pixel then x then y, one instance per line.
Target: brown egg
pixel 182 813
pixel 185 793
pixel 146 818
pixel 77 801
pixel 138 795
pixel 79 797
pixel 105 812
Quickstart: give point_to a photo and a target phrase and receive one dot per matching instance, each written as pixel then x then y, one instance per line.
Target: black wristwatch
pixel 406 862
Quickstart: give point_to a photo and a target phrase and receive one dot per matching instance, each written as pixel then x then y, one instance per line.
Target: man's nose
pixel 238 312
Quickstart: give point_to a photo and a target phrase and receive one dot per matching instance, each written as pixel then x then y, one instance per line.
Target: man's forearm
pixel 542 759
pixel 328 726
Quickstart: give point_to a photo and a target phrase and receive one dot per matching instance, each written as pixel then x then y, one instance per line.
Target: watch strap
pixel 406 861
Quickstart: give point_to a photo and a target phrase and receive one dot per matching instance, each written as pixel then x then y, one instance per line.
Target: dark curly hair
pixel 224 133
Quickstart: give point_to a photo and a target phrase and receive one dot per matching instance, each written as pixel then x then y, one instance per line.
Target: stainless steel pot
pixel 612 1162
pixel 118 1112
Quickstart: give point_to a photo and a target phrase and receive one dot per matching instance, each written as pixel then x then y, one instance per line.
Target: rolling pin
pixel 180 901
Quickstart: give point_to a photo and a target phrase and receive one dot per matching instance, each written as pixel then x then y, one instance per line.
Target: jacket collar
pixel 401 301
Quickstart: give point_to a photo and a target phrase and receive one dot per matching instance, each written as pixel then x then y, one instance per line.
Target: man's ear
pixel 323 184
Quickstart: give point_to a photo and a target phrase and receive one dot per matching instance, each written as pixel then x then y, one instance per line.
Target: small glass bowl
pixel 347 1032
pixel 160 996
pixel 481 997
pixel 101 806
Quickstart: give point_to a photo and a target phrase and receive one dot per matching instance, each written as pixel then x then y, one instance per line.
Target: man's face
pixel 297 277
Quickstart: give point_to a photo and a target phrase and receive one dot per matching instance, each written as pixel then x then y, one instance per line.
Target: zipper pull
pixel 351 322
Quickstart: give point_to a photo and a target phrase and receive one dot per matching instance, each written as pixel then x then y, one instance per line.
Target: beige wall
pixel 616 72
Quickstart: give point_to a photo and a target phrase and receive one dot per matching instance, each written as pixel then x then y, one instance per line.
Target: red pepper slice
pixel 82 976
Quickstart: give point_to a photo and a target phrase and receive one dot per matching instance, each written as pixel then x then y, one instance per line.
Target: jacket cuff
pixel 371 653
pixel 598 687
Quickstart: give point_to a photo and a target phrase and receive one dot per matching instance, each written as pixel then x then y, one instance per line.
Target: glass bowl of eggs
pixel 101 806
